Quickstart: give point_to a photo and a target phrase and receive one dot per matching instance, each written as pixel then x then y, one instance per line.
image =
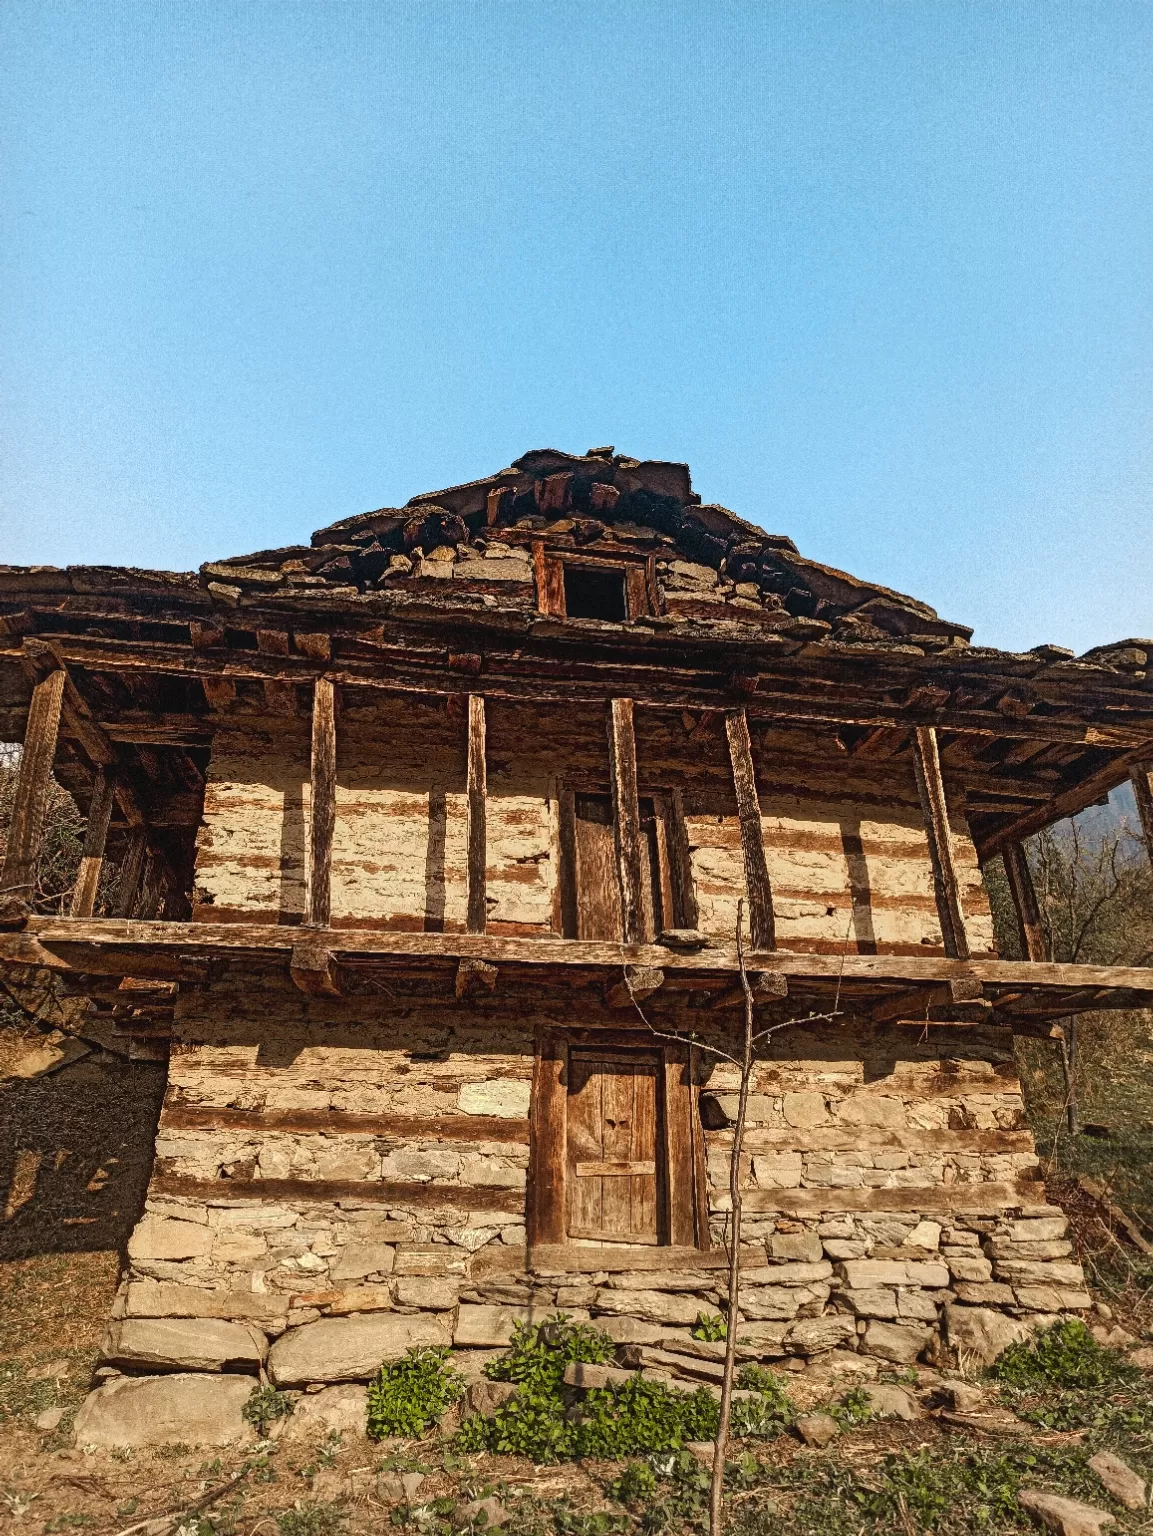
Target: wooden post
pixel 935 810
pixel 477 912
pixel 18 876
pixel 1021 889
pixel 92 860
pixel 1141 777
pixel 322 805
pixel 760 891
pixel 131 867
pixel 626 817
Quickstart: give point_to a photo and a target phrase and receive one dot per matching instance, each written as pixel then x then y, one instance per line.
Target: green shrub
pixel 264 1405
pixel 311 1520
pixel 548 1422
pixel 711 1327
pixel 411 1394
pixel 1066 1355
pixel 853 1410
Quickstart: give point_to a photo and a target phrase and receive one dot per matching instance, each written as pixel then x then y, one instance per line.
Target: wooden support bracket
pixel 757 883
pixel 313 968
pixel 626 816
pixel 322 805
pixel 475 977
pixel 18 873
pixel 1025 904
pixel 767 986
pixel 638 982
pixel 92 859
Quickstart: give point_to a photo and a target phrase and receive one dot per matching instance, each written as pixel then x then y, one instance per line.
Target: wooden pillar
pixel 1021 889
pixel 92 859
pixel 935 810
pixel 760 891
pixel 322 805
pixel 1141 777
pixel 626 817
pixel 477 911
pixel 131 868
pixel 18 875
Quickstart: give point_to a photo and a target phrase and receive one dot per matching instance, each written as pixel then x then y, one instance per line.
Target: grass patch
pixel 1064 1380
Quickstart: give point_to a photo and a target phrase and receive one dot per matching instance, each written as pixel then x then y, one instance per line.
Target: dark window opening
pixel 590 593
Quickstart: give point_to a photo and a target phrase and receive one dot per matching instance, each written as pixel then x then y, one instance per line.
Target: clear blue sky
pixel 881 272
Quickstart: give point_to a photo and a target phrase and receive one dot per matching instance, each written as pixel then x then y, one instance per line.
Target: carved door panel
pixel 615 1180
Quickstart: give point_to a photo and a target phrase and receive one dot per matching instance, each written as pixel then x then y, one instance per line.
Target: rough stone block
pixel 505 1097
pixel 438 1259
pixel 926 1234
pixel 1006 1248
pixel 974 1269
pixel 863 1274
pixel 989 1294
pixel 1043 1230
pixel 935 1276
pixel 165 1298
pixel 916 1304
pixel 892 1402
pixel 1048 1298
pixel 160 1410
pixel 239 1247
pixel 480 1168
pixel 1119 1479
pixel 664 1280
pixel 160 1237
pixel 815 1335
pixel 358 1260
pixel 349 1348
pixel 1064 1517
pixel 339 1410
pixel 771 1301
pixel 805 1110
pixel 480 1326
pixel 880 1110
pixel 874 1301
pixel 652 1306
pixel 839 1248
pixel 417 1166
pixel 635 1330
pixel 898 1342
pixel 426 1291
pixel 183 1344
pixel 789 1274
pixel 805 1247
pixel 981 1334
pixel 1026 1272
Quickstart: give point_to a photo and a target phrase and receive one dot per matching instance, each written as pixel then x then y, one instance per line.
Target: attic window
pixel 594 592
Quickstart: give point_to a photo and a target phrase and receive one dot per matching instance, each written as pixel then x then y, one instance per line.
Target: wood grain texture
pixel 327 1122
pixel 313 968
pixel 95 837
pixel 1141 777
pixel 1020 881
pixel 461 1197
pixel 612 1119
pixel 18 873
pixel 933 1200
pixel 476 834
pixel 935 809
pixel 131 870
pixel 545 1198
pixel 626 816
pixel 685 912
pixel 757 884
pixel 680 1161
pixel 322 803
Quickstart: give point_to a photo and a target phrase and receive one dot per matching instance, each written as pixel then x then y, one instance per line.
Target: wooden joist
pixel 33 784
pixel 935 810
pixel 476 905
pixel 1019 878
pixel 1141 776
pixel 626 816
pixel 760 892
pixel 92 859
pixel 322 804
pixel 131 869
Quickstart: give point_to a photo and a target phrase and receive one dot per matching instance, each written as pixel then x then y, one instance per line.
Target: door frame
pixel 682 1152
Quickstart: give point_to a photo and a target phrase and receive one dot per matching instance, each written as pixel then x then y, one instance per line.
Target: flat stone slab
pixel 1064 1517
pixel 349 1348
pixel 1120 1479
pixel 484 1326
pixel 161 1410
pixel 335 1410
pixel 183 1344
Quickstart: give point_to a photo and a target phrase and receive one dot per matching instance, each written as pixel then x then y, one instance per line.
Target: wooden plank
pixel 685 913
pixel 33 786
pixel 1141 777
pixel 1020 881
pixel 569 910
pixel 477 908
pixel 619 1258
pixel 760 893
pixel 596 879
pixel 680 1155
pixel 328 1122
pixel 462 1197
pixel 935 1200
pixel 108 945
pixel 545 1197
pixel 626 816
pixel 322 804
pixel 935 810
pixel 131 869
pixel 549 573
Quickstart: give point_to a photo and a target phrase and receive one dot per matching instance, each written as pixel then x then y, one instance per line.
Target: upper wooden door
pixel 595 883
pixel 614 1175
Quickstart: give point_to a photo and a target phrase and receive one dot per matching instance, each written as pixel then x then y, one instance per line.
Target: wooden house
pixel 431 838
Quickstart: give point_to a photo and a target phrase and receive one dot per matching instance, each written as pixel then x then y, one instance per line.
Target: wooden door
pixel 615 1178
pixel 596 891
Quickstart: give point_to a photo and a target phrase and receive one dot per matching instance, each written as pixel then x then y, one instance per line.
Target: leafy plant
pixel 311 1520
pixel 853 1410
pixel 264 1406
pixel 710 1327
pixel 1066 1355
pixel 411 1394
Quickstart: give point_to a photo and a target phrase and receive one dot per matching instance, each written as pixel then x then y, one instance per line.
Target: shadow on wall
pixel 76 1151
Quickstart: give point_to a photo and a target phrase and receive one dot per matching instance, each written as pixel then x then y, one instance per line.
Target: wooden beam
pixel 626 816
pixel 92 859
pixel 1020 881
pixel 935 810
pixel 33 784
pixel 477 910
pixel 131 868
pixel 322 804
pixel 685 912
pixel 638 982
pixel 1141 776
pixel 474 978
pixel 760 892
pixel 313 968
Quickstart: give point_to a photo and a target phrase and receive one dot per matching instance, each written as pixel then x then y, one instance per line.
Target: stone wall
pixel 336 1180
pixel 846 847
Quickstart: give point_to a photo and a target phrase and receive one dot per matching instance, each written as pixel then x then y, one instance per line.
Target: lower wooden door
pixel 616 1181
